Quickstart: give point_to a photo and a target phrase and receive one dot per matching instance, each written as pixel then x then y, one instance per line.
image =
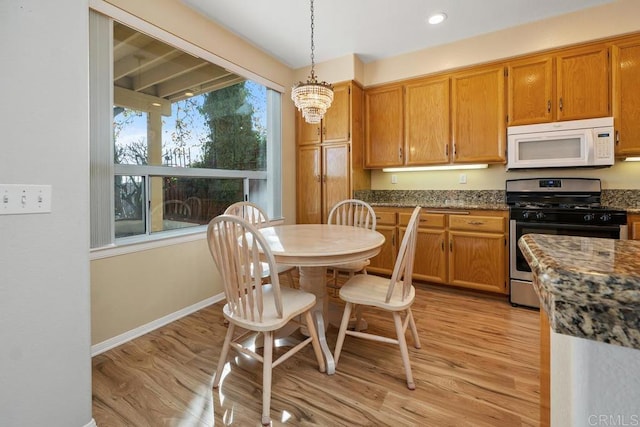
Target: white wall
pixel 45 367
pixel 593 383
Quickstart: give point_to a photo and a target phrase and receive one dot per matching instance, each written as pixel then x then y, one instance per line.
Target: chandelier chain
pixel 312 44
pixel 312 98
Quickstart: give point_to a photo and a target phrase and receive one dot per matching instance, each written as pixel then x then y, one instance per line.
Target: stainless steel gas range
pixel 562 206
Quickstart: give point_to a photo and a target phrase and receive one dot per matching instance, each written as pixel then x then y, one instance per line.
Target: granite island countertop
pixel 589 287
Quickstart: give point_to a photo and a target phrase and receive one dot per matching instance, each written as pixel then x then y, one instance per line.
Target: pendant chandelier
pixel 313 98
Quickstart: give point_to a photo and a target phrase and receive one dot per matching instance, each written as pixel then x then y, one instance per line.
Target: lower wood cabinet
pixel 465 249
pixel 633 222
pixel 385 225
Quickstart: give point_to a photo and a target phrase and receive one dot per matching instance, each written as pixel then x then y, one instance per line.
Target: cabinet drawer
pixel 476 223
pixel 426 220
pixel 386 218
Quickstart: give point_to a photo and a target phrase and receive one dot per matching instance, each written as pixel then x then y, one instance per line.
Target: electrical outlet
pixel 463 178
pixel 18 199
pixel 394 179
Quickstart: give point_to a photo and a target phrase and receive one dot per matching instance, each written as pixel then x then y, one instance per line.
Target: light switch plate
pixel 16 199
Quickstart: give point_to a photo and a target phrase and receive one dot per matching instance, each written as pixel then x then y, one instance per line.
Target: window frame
pixel 112 245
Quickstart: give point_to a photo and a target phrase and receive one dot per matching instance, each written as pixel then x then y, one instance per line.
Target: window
pixel 186 138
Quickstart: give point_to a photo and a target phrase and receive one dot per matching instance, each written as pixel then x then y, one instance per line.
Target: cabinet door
pixel 431 255
pixel 583 83
pixel 335 124
pixel 384 261
pixel 309 186
pixel 633 222
pixel 335 176
pixel 426 122
pixel 383 127
pixel 530 91
pixel 478 116
pixel 626 102
pixel 307 133
pixel 477 260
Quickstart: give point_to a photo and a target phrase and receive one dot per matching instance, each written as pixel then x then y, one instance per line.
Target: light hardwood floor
pixel 478 366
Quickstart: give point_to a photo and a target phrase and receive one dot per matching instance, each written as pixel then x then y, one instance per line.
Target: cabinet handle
pixel 393 240
pixel 548 106
pixel 560 104
pixel 324 131
pixel 400 153
pixel 617 137
pixel 475 223
pixel 442 244
pixel 446 150
pixel 451 245
pixel 318 131
pixel 318 178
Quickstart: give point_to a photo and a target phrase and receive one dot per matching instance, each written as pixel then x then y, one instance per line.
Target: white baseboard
pixel 91 423
pixel 141 330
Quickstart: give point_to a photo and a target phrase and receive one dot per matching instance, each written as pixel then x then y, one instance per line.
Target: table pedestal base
pixel 312 280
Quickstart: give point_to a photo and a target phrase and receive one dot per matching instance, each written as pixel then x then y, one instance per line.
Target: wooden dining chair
pixel 395 295
pixel 237 248
pixel 258 217
pixel 356 213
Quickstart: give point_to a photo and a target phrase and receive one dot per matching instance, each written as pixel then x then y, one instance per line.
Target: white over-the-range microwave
pixel 577 143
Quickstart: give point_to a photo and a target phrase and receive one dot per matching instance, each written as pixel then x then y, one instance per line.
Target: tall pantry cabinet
pixel 330 156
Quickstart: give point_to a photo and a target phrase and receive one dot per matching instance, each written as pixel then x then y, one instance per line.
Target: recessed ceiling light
pixel 437 18
pixel 188 94
pixel 156 104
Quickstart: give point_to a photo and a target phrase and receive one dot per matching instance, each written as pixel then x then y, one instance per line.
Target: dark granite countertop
pixel 444 206
pixel 590 288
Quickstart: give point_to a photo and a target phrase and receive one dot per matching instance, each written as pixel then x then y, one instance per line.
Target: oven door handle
pixel 547 225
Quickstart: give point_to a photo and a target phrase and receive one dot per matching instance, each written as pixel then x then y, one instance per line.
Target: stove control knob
pixel 589 217
pixel 540 215
pixel 526 214
pixel 605 217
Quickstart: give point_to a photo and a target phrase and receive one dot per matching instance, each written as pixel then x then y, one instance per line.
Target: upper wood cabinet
pixel 478 116
pixel 570 85
pixel 531 91
pixel 334 126
pixel 384 131
pixel 427 122
pixel 626 90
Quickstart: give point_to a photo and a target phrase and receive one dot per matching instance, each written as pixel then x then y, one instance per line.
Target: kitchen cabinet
pixel 478 117
pixel 386 225
pixel 431 254
pixel 427 122
pixel 626 103
pixel 569 85
pixel 633 224
pixel 329 156
pixel 384 130
pixel 478 252
pixel 334 126
pixel 458 248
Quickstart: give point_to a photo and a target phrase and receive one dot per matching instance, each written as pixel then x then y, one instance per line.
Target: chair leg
pixel 343 331
pixel 404 351
pixel 266 377
pixel 414 329
pixel 290 278
pixel 358 318
pixel 315 341
pixel 223 354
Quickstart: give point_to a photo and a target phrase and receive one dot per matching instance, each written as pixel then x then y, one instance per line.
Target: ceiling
pixel 372 29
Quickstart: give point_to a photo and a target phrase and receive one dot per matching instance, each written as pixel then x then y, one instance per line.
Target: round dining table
pixel 313 247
